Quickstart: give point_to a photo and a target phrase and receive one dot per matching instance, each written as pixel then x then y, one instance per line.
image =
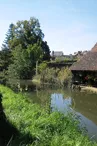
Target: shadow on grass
pixel 22 140
pixel 9 135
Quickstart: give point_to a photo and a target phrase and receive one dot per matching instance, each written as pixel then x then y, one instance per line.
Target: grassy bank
pixel 37 126
pixel 91 89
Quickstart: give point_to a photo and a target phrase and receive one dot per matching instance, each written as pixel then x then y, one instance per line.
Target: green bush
pixel 49 75
pixel 58 59
pixel 64 77
pixel 42 66
pixel 60 77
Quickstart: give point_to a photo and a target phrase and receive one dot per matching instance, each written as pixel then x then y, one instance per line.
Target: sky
pixel 68 25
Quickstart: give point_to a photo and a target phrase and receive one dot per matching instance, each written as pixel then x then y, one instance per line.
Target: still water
pixel 84 104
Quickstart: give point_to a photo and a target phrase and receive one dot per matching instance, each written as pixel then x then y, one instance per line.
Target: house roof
pixel 94 49
pixel 87 63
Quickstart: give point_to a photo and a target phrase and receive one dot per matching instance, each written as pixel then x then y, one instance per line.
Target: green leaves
pixel 23 46
pixel 26 33
pixel 35 52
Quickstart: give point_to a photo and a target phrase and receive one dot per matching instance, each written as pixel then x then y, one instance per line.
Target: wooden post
pixel 36 67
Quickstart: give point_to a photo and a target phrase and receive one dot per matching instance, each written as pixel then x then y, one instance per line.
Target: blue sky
pixel 68 25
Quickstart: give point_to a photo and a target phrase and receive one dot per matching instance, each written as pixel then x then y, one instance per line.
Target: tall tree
pixel 46 51
pixel 24 61
pixel 26 33
pixel 9 36
pixel 24 42
pixel 5 60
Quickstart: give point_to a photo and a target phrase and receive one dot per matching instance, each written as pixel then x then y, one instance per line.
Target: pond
pixel 84 104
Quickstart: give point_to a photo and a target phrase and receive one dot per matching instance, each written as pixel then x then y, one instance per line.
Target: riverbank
pixel 39 127
pixel 87 88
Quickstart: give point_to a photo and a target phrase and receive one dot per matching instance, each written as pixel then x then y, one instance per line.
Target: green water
pixel 84 104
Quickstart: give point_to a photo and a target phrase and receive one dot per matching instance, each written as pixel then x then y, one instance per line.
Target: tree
pixel 9 36
pixel 20 67
pixel 5 60
pixel 24 61
pixel 24 40
pixel 46 51
pixel 26 33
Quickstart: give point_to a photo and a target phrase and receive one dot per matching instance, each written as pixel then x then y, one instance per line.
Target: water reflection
pixel 63 104
pixel 59 103
pixel 89 125
pixel 83 103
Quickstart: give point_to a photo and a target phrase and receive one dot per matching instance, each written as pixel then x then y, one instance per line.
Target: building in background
pixel 59 56
pixel 85 69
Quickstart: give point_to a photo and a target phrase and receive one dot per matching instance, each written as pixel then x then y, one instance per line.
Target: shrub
pixel 60 77
pixel 49 75
pixel 42 67
pixel 64 77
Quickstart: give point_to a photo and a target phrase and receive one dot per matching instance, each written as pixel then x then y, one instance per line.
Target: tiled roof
pixel 94 49
pixel 87 63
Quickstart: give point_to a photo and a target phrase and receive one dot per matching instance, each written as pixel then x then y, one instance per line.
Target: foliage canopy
pixel 22 47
